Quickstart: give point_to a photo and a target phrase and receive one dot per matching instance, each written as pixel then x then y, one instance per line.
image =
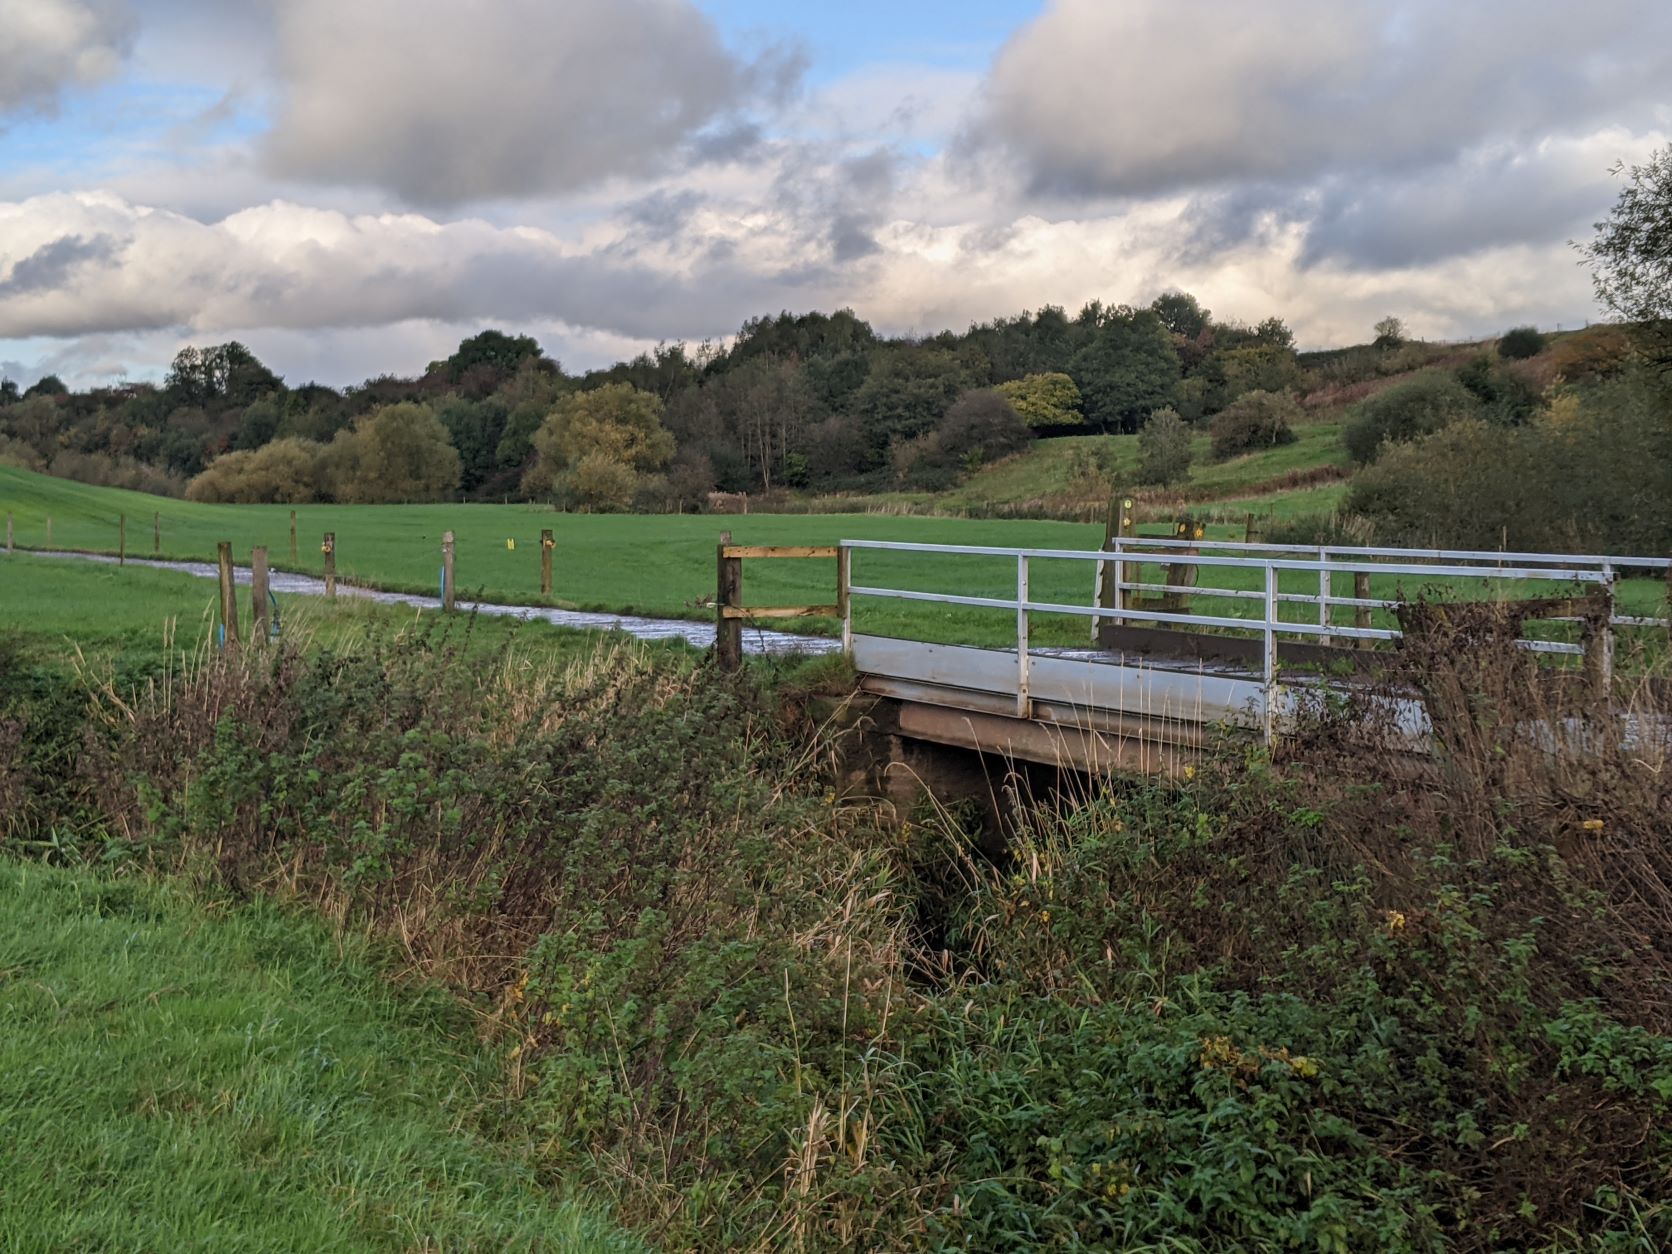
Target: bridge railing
pixel 1367 560
pixel 1268 598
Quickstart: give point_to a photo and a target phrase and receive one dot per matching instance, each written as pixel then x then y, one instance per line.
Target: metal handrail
pixel 1270 625
pixel 1354 550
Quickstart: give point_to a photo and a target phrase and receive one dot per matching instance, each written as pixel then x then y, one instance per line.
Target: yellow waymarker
pixel 510 544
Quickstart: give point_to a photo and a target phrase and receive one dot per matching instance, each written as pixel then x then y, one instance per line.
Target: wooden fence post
pixel 8 531
pixel 1183 574
pixel 1253 533
pixel 293 537
pixel 1361 613
pixel 547 544
pixel 121 539
pixel 447 595
pixel 728 594
pixel 258 595
pixel 329 548
pixel 157 534
pixel 229 595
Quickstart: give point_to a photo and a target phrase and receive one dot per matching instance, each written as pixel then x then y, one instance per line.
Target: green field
pixel 148 618
pixel 240 1079
pixel 659 565
pixel 1046 469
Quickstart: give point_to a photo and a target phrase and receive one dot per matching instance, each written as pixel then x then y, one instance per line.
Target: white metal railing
pixel 1325 562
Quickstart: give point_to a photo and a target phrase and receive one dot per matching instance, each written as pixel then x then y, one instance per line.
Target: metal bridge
pixel 1228 636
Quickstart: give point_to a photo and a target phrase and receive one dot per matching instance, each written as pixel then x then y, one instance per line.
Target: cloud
pixel 1150 97
pixel 50 266
pixel 283 265
pixel 445 102
pixel 48 45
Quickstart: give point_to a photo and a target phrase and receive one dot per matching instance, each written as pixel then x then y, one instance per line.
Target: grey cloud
pixel 662 215
pixel 1482 201
pixel 839 198
pixel 1491 197
pixel 1149 97
pixel 445 102
pixel 50 265
pixel 285 266
pixel 48 45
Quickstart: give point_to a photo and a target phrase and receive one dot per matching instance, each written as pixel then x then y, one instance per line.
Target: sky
pixel 350 187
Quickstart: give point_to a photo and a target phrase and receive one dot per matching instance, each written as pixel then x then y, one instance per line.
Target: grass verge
pixel 241 1080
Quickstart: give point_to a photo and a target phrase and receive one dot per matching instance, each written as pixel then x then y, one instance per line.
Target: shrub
pixel 1045 400
pixel 397 452
pixel 1598 352
pixel 1164 449
pixel 1593 476
pixel 1331 1007
pixel 1255 420
pixel 1519 343
pixel 1505 394
pixel 1416 407
pixel 980 427
pixel 617 423
pixel 282 472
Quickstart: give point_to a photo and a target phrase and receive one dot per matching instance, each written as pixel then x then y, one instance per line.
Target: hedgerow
pixel 1257 1008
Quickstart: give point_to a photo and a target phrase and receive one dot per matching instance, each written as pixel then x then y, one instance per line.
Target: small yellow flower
pixel 1044 916
pixel 1190 772
pixel 1592 825
pixel 1395 920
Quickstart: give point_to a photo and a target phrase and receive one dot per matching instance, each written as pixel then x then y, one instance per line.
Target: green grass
pixel 658 565
pixel 172 1080
pixel 57 607
pixel 1044 469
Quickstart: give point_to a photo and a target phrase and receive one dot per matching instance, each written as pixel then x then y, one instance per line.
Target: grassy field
pixel 173 1080
pixel 656 565
pixel 146 617
pixel 1239 485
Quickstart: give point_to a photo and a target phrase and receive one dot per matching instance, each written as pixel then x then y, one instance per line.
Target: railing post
pixel 258 595
pixel 1183 574
pixel 229 595
pixel 329 548
pixel 728 594
pixel 1269 653
pixel 844 596
pixel 448 594
pixel 1024 703
pixel 1600 653
pixel 547 544
pixel 1361 613
pixel 1324 590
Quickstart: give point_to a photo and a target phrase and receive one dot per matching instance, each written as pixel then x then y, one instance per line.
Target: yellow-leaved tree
pixel 596 448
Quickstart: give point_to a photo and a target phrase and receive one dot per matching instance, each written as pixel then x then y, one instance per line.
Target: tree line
pixel 796 401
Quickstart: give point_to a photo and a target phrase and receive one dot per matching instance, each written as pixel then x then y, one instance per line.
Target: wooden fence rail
pixel 729 610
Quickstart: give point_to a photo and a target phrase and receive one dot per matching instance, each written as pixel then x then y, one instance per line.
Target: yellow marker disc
pixel 510 544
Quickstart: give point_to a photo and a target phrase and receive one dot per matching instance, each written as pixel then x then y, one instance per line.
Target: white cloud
pixel 86 263
pixel 1151 96
pixel 446 102
pixel 48 45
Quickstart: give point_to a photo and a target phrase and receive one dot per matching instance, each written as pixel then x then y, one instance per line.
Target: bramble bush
pixel 1255 420
pixel 1336 1007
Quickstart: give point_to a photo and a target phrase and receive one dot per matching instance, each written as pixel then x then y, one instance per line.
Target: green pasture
pixel 657 565
pixel 172 1079
pixel 148 618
